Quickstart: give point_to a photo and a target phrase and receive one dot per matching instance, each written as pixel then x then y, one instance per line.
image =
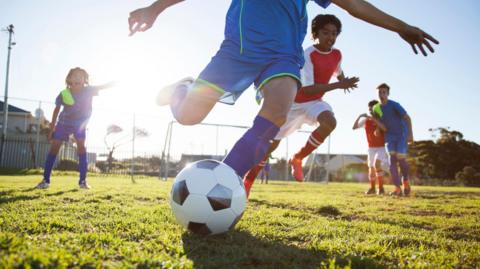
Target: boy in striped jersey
pixel 322 62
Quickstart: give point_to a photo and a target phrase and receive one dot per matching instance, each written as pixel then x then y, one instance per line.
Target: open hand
pixel 348 84
pixel 141 20
pixel 417 38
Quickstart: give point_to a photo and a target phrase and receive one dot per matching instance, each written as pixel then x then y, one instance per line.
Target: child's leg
pixel 191 104
pixel 379 174
pixel 404 169
pixel 253 145
pixel 52 155
pixel 82 157
pixel 252 173
pixel 327 124
pixel 371 177
pixel 394 169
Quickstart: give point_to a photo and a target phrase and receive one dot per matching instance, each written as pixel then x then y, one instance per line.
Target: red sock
pixel 313 142
pixel 252 173
pixel 379 174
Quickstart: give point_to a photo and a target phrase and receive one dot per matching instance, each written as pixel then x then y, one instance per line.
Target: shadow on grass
pixel 447 195
pixel 239 249
pixel 326 211
pixel 10 197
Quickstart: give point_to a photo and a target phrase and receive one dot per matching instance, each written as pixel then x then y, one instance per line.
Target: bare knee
pixel 327 121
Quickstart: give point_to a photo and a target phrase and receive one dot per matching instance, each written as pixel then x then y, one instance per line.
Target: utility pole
pixel 5 101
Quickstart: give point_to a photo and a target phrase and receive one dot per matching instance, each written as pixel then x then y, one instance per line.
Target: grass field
pixel 286 225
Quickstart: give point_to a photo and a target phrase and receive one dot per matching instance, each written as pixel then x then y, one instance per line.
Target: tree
pixel 113 129
pixel 445 157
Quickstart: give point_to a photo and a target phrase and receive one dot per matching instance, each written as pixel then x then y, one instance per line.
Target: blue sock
pixel 403 168
pixel 252 146
pixel 47 169
pixel 394 170
pixel 82 167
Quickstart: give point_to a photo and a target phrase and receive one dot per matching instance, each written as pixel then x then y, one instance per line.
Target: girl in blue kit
pixel 262 46
pixel 76 100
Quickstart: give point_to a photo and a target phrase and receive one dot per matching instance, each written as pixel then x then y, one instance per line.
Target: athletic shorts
pixel 380 154
pixel 231 73
pixel 397 144
pixel 302 113
pixel 63 132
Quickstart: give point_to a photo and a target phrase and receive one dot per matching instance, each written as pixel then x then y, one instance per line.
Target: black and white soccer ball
pixel 208 197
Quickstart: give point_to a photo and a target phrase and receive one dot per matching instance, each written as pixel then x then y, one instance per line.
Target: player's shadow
pixel 10 196
pixel 239 249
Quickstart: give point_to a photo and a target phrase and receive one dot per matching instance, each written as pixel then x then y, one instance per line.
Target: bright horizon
pixel 437 91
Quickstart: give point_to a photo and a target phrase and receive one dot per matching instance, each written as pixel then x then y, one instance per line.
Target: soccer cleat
pixel 296 169
pixel 43 185
pixel 164 96
pixel 370 191
pixel 396 192
pixel 381 191
pixel 248 185
pixel 84 185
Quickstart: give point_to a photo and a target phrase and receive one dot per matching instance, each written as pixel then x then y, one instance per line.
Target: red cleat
pixel 248 185
pixel 296 169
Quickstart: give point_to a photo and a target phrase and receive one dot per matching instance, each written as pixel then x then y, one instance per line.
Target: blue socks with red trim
pixel 251 148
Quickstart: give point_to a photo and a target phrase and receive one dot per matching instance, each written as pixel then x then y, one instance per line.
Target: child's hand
pixel 141 20
pixel 416 37
pixel 348 84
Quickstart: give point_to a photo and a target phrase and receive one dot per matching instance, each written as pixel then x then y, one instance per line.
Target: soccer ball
pixel 208 197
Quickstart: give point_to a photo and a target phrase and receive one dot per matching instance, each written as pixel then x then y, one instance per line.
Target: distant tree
pixel 468 176
pixel 446 156
pixel 114 144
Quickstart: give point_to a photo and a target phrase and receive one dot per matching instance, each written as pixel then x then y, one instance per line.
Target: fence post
pixel 133 149
pixel 37 139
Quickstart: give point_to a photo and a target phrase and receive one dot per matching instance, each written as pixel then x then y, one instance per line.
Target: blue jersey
pixel 78 113
pixel 268 29
pixel 393 119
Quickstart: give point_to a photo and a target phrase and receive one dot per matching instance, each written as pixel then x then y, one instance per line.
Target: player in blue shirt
pixel 76 100
pixel 398 133
pixel 262 46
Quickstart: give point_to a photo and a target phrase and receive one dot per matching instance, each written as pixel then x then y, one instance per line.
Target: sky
pixel 51 37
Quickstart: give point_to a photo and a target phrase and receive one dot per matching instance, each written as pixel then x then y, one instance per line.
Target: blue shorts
pixel 231 72
pixel 397 144
pixel 63 132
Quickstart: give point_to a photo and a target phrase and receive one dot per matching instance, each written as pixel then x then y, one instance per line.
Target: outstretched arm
pixel 345 83
pixel 357 124
pixel 106 85
pixel 142 19
pixel 365 11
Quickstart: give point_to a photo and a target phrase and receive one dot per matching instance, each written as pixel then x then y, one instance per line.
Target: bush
pixel 468 177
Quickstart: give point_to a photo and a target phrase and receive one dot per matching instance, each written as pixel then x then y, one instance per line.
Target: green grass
pixel 286 225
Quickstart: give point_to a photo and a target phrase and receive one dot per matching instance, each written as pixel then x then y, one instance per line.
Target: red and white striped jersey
pixel 318 69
